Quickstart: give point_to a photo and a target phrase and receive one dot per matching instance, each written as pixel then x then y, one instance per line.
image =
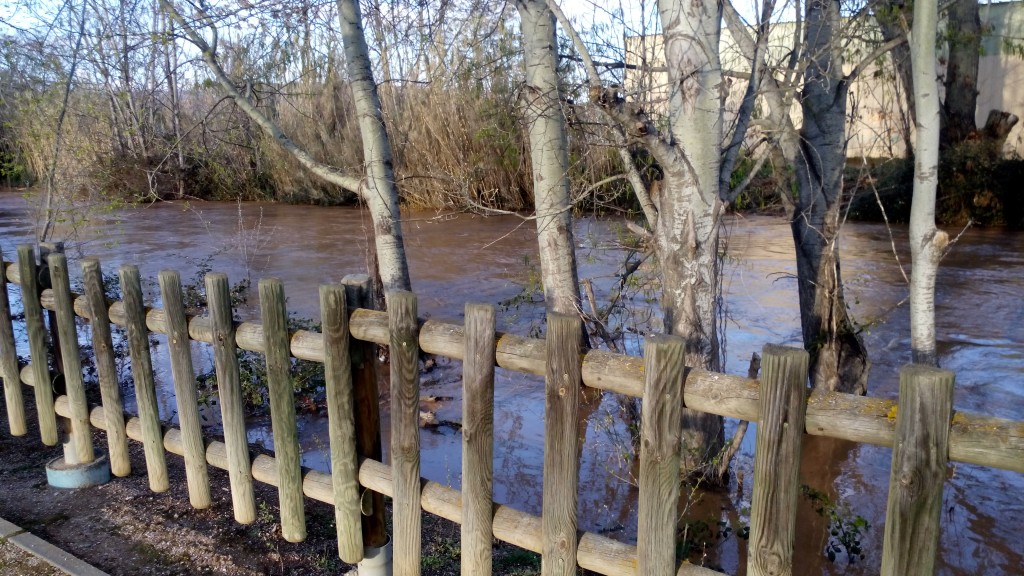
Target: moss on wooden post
pixel 918 473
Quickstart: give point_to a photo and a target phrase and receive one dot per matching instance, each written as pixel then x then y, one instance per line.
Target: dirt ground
pixel 123 528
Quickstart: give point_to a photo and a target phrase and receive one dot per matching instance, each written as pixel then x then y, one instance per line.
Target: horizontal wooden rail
pixel 973 439
pixel 596 553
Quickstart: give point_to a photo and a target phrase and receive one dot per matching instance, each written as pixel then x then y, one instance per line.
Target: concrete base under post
pixel 376 561
pixel 60 474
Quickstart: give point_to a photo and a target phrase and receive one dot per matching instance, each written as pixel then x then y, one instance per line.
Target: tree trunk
pixel 838 357
pixel 963 33
pixel 549 147
pixel 926 242
pixel 893 16
pixel 378 189
pixel 687 231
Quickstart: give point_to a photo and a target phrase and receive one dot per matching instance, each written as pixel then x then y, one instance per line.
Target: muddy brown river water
pixel 460 258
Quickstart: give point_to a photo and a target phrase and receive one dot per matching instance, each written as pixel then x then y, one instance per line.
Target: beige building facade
pixel 876 110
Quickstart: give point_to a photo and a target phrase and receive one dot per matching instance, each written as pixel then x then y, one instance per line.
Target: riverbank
pixel 123 528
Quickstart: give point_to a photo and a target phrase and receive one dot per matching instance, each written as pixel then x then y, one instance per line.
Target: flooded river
pixel 460 258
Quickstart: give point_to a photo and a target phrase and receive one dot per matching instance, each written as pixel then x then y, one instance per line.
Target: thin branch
pixel 327 173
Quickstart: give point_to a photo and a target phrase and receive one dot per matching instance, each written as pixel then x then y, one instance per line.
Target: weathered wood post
pixel 919 458
pixel 229 392
pixel 660 437
pixel 183 373
pixel 43 388
pixel 142 374
pixel 478 440
pixel 79 449
pixel 341 417
pixel 9 371
pixel 366 394
pixel 405 431
pixel 106 368
pixel 287 453
pixel 780 429
pixel 563 379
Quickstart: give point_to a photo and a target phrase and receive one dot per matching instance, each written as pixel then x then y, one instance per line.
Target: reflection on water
pixel 455 259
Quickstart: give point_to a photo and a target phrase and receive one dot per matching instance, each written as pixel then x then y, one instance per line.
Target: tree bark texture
pixel 378 189
pixel 926 242
pixel 838 357
pixel 549 146
pixel 963 39
pixel 689 211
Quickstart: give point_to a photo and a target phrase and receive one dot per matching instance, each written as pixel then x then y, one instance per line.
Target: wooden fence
pixel 924 431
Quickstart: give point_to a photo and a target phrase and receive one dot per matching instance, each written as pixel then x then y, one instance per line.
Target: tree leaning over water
pixel 376 187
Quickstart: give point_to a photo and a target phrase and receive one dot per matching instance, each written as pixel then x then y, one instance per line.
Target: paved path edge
pixel 46 552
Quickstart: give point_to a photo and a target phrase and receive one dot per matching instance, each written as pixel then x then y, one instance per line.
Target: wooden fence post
pixel 919 458
pixel 287 453
pixel 184 375
pixel 366 395
pixel 478 440
pixel 103 349
pixel 780 429
pixel 142 374
pixel 80 433
pixel 229 388
pixel 659 455
pixel 341 414
pixel 43 388
pixel 561 445
pixel 405 431
pixel 9 371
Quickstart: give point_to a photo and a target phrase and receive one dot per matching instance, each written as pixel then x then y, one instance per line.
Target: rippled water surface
pixel 460 258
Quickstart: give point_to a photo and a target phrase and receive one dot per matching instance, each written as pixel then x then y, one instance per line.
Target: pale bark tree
pixel 685 215
pixel 926 242
pixel 377 186
pixel 549 155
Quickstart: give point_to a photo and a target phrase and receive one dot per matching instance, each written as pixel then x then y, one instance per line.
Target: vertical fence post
pixel 341 423
pixel 184 375
pixel 80 450
pixel 103 349
pixel 561 445
pixel 405 431
pixel 478 440
pixel 9 361
pixel 780 429
pixel 919 456
pixel 142 374
pixel 229 390
pixel 43 388
pixel 287 453
pixel 359 294
pixel 659 455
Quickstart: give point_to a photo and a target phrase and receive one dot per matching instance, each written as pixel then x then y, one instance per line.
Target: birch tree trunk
pixel 838 357
pixel 378 188
pixel 549 146
pixel 687 232
pixel 926 242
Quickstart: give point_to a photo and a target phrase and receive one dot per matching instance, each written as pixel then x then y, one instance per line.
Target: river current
pixel 459 258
